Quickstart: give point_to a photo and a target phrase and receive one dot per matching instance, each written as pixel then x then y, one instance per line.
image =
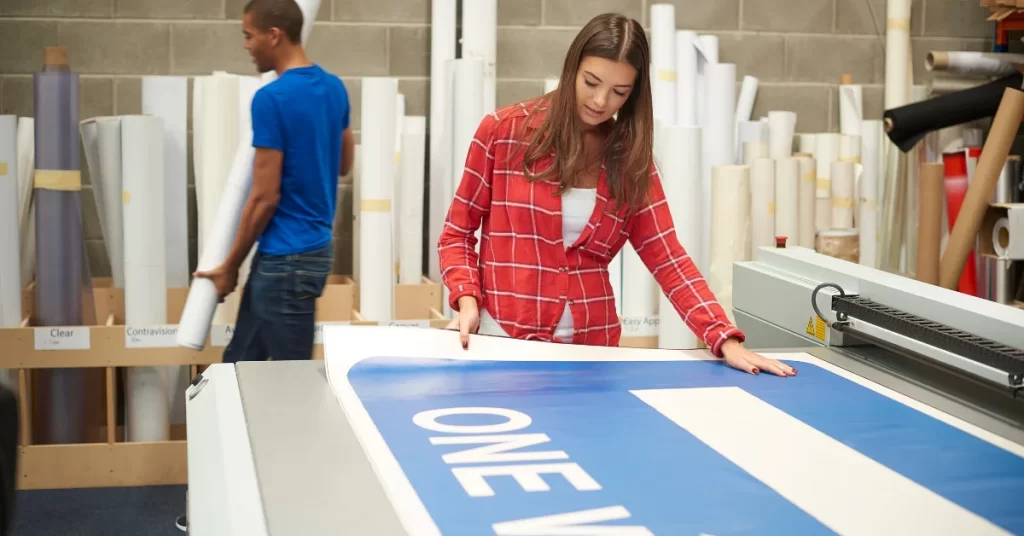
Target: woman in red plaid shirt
pixel 559 184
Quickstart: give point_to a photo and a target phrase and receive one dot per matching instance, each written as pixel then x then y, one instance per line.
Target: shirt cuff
pixel 469 290
pixel 722 335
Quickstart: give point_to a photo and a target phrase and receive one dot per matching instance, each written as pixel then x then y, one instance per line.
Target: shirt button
pixel 561 268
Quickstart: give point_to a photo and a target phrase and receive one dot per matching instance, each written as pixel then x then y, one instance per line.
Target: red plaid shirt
pixel 525 276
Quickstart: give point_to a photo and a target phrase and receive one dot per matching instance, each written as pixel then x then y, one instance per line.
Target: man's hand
pixel 224 277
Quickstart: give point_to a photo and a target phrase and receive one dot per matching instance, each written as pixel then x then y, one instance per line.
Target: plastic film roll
pixel 826 147
pixel 851 108
pixel 808 182
pixel 842 195
pixel 969 63
pixel 745 102
pixel 762 204
pixel 839 243
pixel 781 127
pixel 787 198
pixel 730 231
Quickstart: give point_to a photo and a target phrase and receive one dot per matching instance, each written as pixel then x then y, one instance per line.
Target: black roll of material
pixel 906 125
pixel 63 295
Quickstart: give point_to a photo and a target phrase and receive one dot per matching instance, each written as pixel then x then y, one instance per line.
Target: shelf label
pixel 640 326
pixel 151 336
pixel 62 338
pixel 410 323
pixel 318 330
pixel 220 335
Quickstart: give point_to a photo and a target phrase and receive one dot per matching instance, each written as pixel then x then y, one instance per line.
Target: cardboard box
pixel 1002 231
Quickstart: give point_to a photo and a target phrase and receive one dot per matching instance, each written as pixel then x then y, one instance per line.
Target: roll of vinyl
pixel 730 238
pixel 839 243
pixel 356 162
pixel 1008 180
pixel 376 283
pixel 411 199
pixel 396 186
pixel 867 208
pixel 442 50
pixel 10 255
pixel 997 147
pixel 719 134
pixel 807 190
pixel 929 222
pixel 787 199
pixel 550 84
pixel 849 148
pixel 480 40
pixel 762 204
pixel 781 127
pixel 26 197
pixel 707 48
pixel 970 63
pixel 679 155
pixel 842 195
pixel 745 102
pixel 750 131
pixel 219 141
pixel 63 290
pixel 851 108
pixel 663 61
pixel 202 297
pixel 686 78
pixel 145 292
pixel 107 186
pixel 897 52
pixel 826 147
pixel 1001 236
pixel 806 143
pixel 752 150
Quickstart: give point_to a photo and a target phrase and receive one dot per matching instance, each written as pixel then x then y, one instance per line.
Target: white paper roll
pixel 745 102
pixel 787 199
pixel 719 135
pixel 826 147
pixel 411 199
pixel 867 207
pixel 762 204
pixel 750 131
pixel 10 255
pixel 679 155
pixel 730 237
pixel 686 77
pixel 842 195
pixel 707 54
pixel 1001 236
pixel 808 183
pixel 752 150
pixel 107 188
pixel 851 108
pixel 376 191
pixel 781 127
pixel 220 140
pixel 442 50
pixel 396 186
pixel 805 143
pixel 26 207
pixel 480 40
pixel 663 61
pixel 145 277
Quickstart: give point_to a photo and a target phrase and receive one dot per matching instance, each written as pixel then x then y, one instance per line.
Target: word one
pixel 500 454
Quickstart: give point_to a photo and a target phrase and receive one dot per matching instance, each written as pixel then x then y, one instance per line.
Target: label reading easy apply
pixel 61 338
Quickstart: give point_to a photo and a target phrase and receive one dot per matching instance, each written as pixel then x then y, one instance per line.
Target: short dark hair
pixel 282 14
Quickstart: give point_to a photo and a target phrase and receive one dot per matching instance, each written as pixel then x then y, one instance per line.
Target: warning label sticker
pixel 816 328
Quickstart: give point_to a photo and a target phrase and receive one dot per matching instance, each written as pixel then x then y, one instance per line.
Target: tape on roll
pixel 3 168
pixel 57 179
pixel 1001 236
pixel 375 205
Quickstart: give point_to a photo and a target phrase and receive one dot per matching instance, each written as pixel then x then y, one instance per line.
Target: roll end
pixel 936 60
pixel 55 57
pixel 888 124
pixel 845 79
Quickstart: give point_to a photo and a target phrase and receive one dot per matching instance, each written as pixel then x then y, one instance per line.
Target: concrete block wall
pixel 797 48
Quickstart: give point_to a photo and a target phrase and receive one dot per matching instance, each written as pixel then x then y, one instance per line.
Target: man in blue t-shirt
pixel 303 142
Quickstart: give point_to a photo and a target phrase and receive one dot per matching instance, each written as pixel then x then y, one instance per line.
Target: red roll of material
pixel 956 188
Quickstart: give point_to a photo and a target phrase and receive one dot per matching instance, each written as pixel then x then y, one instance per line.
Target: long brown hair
pixel 629 144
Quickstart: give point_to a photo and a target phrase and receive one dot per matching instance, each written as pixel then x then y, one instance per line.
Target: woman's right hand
pixel 468 319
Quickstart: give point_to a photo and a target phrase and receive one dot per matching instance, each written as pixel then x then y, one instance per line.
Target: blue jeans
pixel 276 314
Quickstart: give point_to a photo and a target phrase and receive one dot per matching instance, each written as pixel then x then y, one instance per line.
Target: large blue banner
pixel 487 443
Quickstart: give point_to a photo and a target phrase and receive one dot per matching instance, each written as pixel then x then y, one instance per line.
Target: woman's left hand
pixel 739 358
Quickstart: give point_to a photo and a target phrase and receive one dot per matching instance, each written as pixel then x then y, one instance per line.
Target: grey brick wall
pixel 797 48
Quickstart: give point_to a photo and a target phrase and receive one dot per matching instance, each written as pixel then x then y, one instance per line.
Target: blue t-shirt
pixel 302 114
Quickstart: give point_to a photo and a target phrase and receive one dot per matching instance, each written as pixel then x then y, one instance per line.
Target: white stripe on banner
pixel 840 487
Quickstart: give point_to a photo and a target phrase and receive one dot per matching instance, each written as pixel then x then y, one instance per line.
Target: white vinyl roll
pixel 805 143
pixel 842 195
pixel 849 151
pixel 480 40
pixel 10 256
pixel 851 108
pixel 807 188
pixel 750 131
pixel 376 270
pixel 787 199
pixel 145 277
pixel 867 191
pixel 707 54
pixel 663 61
pixel 26 207
pixel 107 187
pixel 550 84
pixel 442 50
pixel 719 135
pixel 410 204
pixel 396 186
pixel 730 237
pixel 679 155
pixel 686 77
pixel 762 204
pixel 826 151
pixel 781 127
pixel 202 298
pixel 752 150
pixel 745 102
pixel 219 142
pixel 355 210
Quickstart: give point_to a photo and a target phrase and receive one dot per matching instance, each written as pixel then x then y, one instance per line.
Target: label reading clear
pixel 640 326
pixel 150 337
pixel 62 338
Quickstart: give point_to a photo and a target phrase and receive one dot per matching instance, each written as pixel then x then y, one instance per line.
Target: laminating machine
pixel 906 417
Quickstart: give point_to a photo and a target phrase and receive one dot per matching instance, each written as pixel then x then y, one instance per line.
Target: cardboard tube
pixel 929 226
pixel 839 243
pixel 979 192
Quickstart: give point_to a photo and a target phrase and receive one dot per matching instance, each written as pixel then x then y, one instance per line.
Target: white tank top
pixel 577 207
